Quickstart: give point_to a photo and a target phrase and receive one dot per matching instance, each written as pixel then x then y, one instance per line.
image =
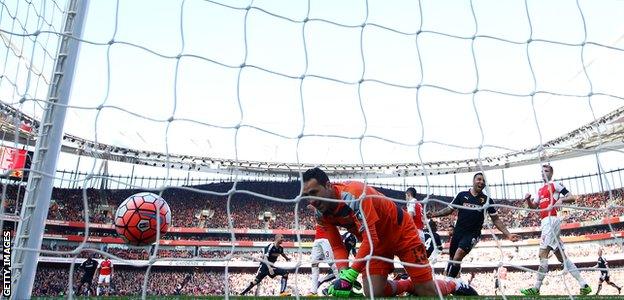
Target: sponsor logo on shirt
pixel 472 205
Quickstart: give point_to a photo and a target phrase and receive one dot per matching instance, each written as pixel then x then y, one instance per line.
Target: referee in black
pixel 469 222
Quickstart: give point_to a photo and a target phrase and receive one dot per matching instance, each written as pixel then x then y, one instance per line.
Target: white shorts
pixel 551 230
pixel 103 278
pixel 322 251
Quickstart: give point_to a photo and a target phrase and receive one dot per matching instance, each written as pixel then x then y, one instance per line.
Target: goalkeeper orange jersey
pixel 321 232
pixel 391 229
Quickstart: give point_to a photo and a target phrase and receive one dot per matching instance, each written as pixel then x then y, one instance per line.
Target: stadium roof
pixel 604 134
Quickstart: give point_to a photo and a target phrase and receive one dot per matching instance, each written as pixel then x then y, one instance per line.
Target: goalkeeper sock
pixel 390 289
pixel 396 287
pixel 446 287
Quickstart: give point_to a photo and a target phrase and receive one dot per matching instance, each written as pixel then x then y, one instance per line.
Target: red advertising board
pixel 13 160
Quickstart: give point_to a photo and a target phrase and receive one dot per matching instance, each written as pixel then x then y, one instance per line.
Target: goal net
pixel 220 106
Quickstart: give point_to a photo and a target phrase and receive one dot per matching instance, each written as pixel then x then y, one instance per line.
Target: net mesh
pixel 29 41
pixel 454 56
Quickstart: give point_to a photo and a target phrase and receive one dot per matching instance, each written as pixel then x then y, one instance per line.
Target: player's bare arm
pixel 530 201
pixel 569 198
pixel 565 195
pixel 441 213
pixel 501 226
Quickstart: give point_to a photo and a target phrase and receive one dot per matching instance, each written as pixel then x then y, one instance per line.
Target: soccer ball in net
pixel 135 220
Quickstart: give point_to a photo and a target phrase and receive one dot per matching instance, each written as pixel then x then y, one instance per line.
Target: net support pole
pixel 75 183
pixel 504 184
pixel 41 180
pixel 600 184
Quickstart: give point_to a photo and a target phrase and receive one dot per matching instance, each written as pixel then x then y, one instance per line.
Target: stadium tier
pixel 197 210
pixel 209 247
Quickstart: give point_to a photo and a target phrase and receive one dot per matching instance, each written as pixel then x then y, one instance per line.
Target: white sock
pixel 97 293
pixel 574 272
pixel 543 269
pixel 334 269
pixel 315 276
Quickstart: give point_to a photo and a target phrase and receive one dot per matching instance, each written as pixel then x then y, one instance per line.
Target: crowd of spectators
pixel 514 255
pixel 240 237
pixel 572 232
pixel 527 253
pixel 587 208
pixel 189 208
pixel 193 209
pixel 203 209
pixel 53 281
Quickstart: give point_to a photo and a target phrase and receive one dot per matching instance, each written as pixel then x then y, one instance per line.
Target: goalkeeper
pixel 384 220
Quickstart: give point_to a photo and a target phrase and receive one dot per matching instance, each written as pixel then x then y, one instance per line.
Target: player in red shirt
pixel 551 195
pixel 414 208
pixel 371 219
pixel 106 274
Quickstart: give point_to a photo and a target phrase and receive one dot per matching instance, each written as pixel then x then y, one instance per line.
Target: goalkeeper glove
pixel 336 289
pixel 349 275
pixel 343 286
pixel 340 288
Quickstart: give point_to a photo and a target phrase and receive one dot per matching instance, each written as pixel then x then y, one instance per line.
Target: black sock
pixel 249 287
pixel 452 270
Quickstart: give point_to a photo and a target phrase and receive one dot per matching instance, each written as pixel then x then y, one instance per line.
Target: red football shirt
pixel 106 267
